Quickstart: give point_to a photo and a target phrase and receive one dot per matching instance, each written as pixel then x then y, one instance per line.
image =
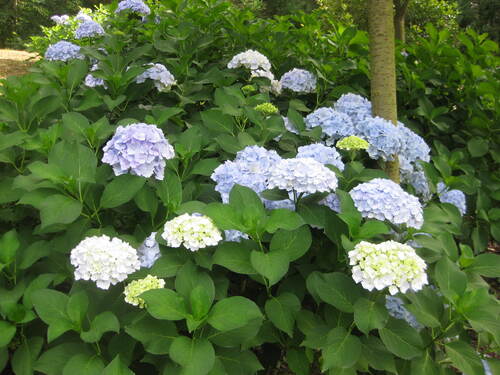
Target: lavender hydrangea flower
pixel 88 29
pixel 149 251
pixel 137 6
pixel 63 51
pixel 321 153
pixel 299 80
pixel 302 175
pixel 413 147
pixel 250 59
pixel 355 106
pixel 454 197
pixel 83 17
pixel 331 201
pixel 333 123
pixel 286 204
pixel 162 78
pixel 383 199
pixel 384 138
pixel 416 178
pixel 232 235
pixel 140 149
pixel 395 307
pixel 91 81
pixel 60 20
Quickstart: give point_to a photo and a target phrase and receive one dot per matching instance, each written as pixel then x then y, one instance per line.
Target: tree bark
pixel 383 69
pixel 399 18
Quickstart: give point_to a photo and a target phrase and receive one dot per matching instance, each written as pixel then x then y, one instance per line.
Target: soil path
pixel 14 62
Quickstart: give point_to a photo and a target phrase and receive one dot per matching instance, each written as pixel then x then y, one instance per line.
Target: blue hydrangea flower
pixel 355 106
pixel 416 178
pixel 413 147
pixel 149 251
pixel 383 199
pixel 321 153
pixel 137 6
pixel 331 201
pixel 333 123
pixel 140 149
pixel 88 29
pixel 288 126
pixel 91 81
pixel 286 204
pixel 60 20
pixel 162 78
pixel 395 307
pixel 299 80
pixel 63 51
pixel 384 138
pixel 302 175
pixel 232 235
pixel 454 197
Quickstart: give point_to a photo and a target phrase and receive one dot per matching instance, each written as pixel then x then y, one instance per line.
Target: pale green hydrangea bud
pixel 352 143
pixel 248 89
pixel 137 287
pixel 267 109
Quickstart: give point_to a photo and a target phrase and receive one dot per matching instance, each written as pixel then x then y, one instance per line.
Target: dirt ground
pixel 14 62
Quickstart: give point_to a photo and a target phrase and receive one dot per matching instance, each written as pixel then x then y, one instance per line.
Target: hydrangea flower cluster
pixel 233 235
pixel 384 138
pixel 299 80
pixel 88 29
pixel 193 231
pixel 334 124
pixel 104 260
pixel 383 199
pixel 63 51
pixel 387 265
pixel 83 17
pixel 352 143
pixel 454 197
pixel 137 287
pixel 322 154
pixel 331 201
pixel 149 251
pixel 91 80
pixel 162 78
pixel 413 147
pixel 395 307
pixel 137 6
pixel 275 87
pixel 417 178
pixel 267 109
pixel 355 106
pixel 139 148
pixel 60 20
pixel 302 175
pixel 250 59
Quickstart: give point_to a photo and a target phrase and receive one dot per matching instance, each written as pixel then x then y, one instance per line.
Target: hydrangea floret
pixel 384 138
pixel 60 20
pixel 299 80
pixel 140 149
pixel 63 51
pixel 91 80
pixel 352 143
pixel 334 124
pixel 137 6
pixel 355 106
pixel 149 251
pixel 250 59
pixel 104 260
pixel 267 109
pixel 413 146
pixel 88 29
pixel 83 17
pixel 389 265
pixel 454 197
pixel 135 288
pixel 233 235
pixel 417 178
pixel 395 307
pixel 159 74
pixel 193 231
pixel 302 175
pixel 275 87
pixel 383 199
pixel 321 153
pixel 331 201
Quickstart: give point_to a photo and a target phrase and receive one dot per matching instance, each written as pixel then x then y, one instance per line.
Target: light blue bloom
pixel 60 20
pixel 355 106
pixel 384 138
pixel 159 74
pixel 88 29
pixel 334 124
pixel 395 307
pixel 413 147
pixel 137 6
pixel 299 80
pixel 331 201
pixel 383 199
pixel 321 153
pixel 232 235
pixel 140 149
pixel 454 197
pixel 149 251
pixel 63 51
pixel 91 81
pixel 83 17
pixel 416 178
pixel 286 204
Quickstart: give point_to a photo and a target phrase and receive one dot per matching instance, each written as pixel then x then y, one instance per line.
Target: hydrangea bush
pixel 184 218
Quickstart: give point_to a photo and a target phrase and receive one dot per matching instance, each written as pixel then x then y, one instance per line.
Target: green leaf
pixel 84 364
pixel 121 190
pixel 273 265
pixel 281 311
pixel 205 167
pixel 155 335
pixel 235 257
pixel 7 332
pixel 146 200
pixel 217 121
pixel 233 312
pixel 200 300
pixel 116 367
pixel 478 147
pixel 196 356
pixel 189 277
pixel 165 304
pixel 50 305
pixel 102 323
pixel 336 289
pixel 424 366
pixel 248 205
pixel 189 142
pixel 75 160
pixel 426 306
pixel 487 265
pixel 283 219
pixel 451 281
pixel 77 306
pixel 372 228
pixel 343 349
pixel 77 70
pixel 170 191
pixel 295 243
pixel 52 361
pixel 9 243
pixel 464 358
pixel 377 355
pixel 25 356
pixel 369 315
pixel 59 209
pixel 401 339
pixel 224 216
pixel 297 361
pixel 169 263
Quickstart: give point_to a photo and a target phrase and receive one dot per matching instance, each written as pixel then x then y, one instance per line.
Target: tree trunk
pixel 400 7
pixel 383 69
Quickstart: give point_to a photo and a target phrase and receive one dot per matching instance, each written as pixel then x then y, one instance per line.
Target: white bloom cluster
pixel 149 251
pixel 60 20
pixel 299 80
pixel 193 231
pixel 104 260
pixel 383 199
pixel 137 287
pixel 387 265
pixel 250 59
pixel 275 87
pixel 303 175
pixel 162 78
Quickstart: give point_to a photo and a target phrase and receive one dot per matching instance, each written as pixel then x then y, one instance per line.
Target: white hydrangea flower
pixel 304 175
pixel 137 287
pixel 193 231
pixel 250 59
pixel 149 251
pixel 104 260
pixel 275 87
pixel 387 265
pixel 162 78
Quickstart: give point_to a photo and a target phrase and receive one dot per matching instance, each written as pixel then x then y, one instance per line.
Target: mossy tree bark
pixel 400 7
pixel 383 69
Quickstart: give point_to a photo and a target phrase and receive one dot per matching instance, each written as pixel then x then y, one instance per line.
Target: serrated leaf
pixel 121 190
